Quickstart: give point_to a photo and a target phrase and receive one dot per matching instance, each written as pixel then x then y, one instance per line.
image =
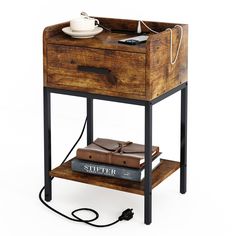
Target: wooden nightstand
pixel 101 68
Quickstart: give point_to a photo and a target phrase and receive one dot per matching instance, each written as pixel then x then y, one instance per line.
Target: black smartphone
pixel 134 40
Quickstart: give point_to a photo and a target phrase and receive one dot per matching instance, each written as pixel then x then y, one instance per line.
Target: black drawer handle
pixel 102 71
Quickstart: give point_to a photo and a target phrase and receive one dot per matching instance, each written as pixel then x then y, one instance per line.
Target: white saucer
pixel 82 34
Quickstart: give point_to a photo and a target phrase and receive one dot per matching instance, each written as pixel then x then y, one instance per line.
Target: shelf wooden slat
pixel 165 169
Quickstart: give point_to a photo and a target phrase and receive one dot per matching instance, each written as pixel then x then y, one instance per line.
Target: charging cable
pixel 126 215
pixel 172 61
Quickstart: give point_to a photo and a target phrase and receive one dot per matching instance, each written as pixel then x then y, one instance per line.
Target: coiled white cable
pixel 171 41
pixel 171 46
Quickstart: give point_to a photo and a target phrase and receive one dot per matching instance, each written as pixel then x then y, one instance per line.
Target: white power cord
pixel 171 39
pixel 180 41
pixel 149 28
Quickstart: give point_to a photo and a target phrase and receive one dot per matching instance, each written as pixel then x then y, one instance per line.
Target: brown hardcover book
pixel 115 152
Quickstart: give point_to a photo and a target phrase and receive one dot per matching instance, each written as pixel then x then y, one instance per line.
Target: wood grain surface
pixel 165 169
pixel 141 72
pixel 161 75
pixel 125 70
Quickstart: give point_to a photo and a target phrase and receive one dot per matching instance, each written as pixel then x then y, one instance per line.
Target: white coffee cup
pixel 83 23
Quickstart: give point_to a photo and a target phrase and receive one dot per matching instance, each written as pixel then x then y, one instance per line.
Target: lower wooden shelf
pixel 165 169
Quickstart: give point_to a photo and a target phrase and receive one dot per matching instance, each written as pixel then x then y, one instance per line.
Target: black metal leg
pixel 89 120
pixel 183 140
pixel 148 165
pixel 47 144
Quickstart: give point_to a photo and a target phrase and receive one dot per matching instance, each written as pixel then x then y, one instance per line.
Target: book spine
pixel 106 170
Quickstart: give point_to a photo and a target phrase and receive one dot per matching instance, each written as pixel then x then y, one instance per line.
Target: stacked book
pixel 118 159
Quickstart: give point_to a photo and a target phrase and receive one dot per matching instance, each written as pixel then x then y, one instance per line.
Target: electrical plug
pixel 126 215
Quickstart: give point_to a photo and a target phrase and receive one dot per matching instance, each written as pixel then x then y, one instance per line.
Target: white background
pixel 209 206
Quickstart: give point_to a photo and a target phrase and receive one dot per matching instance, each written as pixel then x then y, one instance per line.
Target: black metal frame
pixel 148 137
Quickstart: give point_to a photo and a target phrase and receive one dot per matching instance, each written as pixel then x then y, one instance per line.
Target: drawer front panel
pixel 96 70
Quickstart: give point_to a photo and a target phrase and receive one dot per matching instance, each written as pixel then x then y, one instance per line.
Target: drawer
pixel 95 70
